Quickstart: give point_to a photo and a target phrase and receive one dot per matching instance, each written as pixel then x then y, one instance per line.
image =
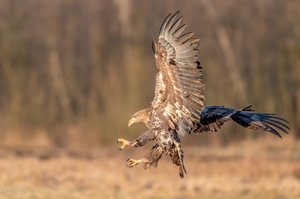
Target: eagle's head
pixel 140 116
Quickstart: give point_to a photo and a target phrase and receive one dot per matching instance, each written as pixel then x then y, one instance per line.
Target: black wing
pixel 213 117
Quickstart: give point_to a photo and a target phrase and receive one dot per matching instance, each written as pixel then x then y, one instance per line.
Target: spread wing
pixel 179 92
pixel 213 117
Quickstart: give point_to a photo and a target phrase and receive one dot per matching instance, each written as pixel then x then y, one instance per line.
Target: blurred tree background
pixel 75 71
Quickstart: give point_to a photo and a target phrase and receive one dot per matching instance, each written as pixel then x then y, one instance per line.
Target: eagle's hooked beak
pixel 131 121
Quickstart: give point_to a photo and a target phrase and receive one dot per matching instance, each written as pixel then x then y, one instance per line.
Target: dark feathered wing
pixel 179 87
pixel 213 117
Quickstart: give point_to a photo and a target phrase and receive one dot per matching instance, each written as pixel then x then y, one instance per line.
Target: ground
pixel 256 169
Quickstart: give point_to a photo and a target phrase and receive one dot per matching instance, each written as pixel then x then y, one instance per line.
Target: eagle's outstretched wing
pixel 179 91
pixel 213 117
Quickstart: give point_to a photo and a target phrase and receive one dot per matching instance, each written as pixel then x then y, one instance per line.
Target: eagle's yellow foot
pixel 131 162
pixel 123 143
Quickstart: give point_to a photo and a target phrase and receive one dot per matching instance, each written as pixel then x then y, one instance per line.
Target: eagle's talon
pixel 131 163
pixel 123 143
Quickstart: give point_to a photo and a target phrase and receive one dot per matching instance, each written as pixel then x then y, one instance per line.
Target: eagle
pixel 178 105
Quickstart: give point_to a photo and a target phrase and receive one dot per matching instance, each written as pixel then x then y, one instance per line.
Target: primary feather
pixel 179 90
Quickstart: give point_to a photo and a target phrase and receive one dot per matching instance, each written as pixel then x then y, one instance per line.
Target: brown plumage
pixel 177 107
pixel 178 92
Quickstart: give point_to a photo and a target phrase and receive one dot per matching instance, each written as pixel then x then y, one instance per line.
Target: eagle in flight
pixel 177 108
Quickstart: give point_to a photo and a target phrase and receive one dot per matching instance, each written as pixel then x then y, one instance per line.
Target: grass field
pixel 261 170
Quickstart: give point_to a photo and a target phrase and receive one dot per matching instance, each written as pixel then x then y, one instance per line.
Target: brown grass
pixel 256 169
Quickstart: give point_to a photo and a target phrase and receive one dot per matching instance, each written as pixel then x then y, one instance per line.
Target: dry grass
pixel 259 170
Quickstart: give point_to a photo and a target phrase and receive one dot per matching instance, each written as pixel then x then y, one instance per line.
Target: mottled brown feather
pixel 179 90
